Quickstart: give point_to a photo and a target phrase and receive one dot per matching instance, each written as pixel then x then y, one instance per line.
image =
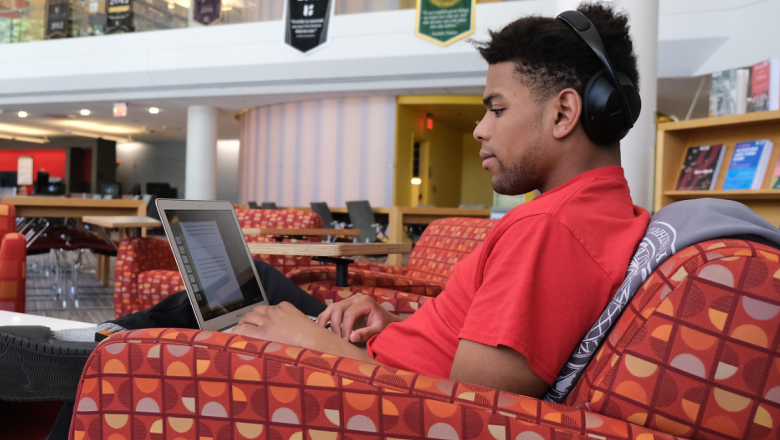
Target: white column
pixel 200 181
pixel 638 147
pixel 566 5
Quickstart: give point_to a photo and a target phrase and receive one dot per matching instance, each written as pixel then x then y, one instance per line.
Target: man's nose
pixel 481 132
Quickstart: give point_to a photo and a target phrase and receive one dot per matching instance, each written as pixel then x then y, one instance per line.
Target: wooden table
pixel 33 206
pixel 398 216
pixel 298 234
pixel 122 222
pixel 331 252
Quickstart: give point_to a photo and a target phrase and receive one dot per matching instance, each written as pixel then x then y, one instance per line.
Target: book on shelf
pixel 728 95
pixel 765 86
pixel 748 165
pixel 775 183
pixel 700 167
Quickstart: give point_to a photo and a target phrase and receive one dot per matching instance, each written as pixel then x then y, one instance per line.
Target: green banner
pixel 444 21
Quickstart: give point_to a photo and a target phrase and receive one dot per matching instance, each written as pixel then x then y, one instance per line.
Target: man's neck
pixel 585 159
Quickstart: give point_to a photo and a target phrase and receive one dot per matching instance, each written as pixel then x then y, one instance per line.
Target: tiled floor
pixel 50 295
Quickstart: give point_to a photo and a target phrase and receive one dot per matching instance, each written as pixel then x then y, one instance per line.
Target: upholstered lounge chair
pixel 13 262
pixel 444 243
pixel 146 270
pixel 695 355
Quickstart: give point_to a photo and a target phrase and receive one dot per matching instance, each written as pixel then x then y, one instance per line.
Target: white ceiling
pixel 688 46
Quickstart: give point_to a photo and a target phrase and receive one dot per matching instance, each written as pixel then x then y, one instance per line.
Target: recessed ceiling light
pixel 84 112
pixel 22 114
pixel 154 110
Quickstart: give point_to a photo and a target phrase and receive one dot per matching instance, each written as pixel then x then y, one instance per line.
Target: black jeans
pixel 176 311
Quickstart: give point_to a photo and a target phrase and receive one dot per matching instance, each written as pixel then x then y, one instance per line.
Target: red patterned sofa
pixel 13 262
pixel 444 243
pixel 695 355
pixel 146 270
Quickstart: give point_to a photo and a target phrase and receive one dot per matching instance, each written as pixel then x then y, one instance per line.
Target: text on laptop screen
pixel 215 260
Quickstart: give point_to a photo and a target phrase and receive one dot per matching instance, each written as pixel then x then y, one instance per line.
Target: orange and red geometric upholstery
pixel 138 255
pixel 13 262
pixel 193 384
pixel 695 355
pixel 156 285
pixel 134 257
pixel 445 242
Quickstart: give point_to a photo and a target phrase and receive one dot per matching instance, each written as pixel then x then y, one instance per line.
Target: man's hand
pixel 356 319
pixel 281 323
pixel 286 324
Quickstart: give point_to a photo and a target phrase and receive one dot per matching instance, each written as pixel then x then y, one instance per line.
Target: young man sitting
pixel 514 310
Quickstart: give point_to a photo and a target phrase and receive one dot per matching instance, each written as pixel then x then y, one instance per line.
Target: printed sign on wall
pixel 119 16
pixel 206 11
pixel 444 21
pixel 306 23
pixel 57 19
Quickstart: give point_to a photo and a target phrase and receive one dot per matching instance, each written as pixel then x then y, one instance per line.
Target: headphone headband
pixel 590 35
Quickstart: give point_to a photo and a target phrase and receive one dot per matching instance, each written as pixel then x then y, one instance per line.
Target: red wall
pixel 50 160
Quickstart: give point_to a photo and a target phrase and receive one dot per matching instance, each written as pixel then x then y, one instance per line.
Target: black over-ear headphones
pixel 611 103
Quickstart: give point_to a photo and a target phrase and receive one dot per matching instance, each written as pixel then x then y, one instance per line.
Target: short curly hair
pixel 549 56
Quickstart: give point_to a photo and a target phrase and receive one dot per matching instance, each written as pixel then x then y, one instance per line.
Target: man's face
pixel 511 133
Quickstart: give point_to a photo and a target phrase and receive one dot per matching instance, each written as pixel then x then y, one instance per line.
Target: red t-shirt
pixel 537 284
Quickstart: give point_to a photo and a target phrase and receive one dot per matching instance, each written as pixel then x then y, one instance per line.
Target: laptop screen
pixel 215 260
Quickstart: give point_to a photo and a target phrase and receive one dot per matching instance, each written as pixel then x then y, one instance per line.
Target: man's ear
pixel 568 107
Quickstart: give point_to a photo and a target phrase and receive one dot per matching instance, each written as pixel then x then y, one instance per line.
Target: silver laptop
pixel 213 259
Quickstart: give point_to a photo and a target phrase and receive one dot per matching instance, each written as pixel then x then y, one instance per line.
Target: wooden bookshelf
pixel 674 138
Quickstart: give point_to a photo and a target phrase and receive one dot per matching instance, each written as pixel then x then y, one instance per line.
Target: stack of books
pixel 748 89
pixel 749 161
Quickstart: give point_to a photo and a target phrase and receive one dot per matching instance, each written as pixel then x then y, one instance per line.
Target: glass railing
pixel 25 20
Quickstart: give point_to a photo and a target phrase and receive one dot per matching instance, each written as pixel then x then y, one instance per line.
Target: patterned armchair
pixel 444 243
pixel 146 270
pixel 13 262
pixel 694 356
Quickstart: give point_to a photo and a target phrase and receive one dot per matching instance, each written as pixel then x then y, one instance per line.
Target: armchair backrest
pixel 445 242
pixel 696 353
pixel 275 218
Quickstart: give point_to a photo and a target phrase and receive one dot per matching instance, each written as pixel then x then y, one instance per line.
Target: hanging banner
pixel 119 16
pixel 445 21
pixel 57 19
pixel 206 11
pixel 306 23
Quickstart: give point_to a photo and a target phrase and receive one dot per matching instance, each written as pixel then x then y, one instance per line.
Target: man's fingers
pixel 253 318
pixel 364 334
pixel 335 320
pixel 324 317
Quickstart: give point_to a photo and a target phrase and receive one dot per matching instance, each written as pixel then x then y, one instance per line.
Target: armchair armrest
pixel 193 384
pixel 367 278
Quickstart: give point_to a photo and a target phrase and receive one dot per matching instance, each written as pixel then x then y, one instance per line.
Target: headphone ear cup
pixel 600 105
pixel 602 115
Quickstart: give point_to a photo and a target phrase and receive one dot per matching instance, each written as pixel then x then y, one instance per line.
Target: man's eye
pixel 497 111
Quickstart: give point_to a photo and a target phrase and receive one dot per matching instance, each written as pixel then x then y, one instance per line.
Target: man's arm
pixel 499 367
